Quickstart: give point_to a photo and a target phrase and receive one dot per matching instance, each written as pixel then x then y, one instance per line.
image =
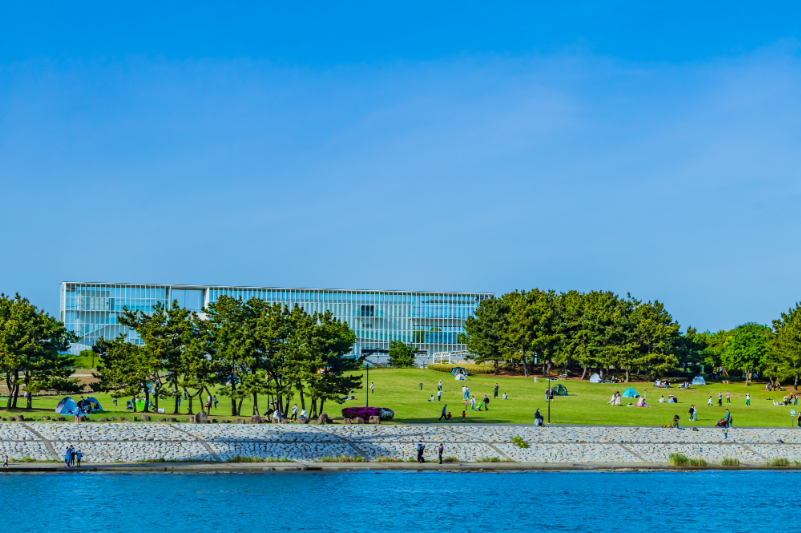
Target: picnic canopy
pixel 699 380
pixel 559 390
pixel 630 393
pixel 595 378
pixel 458 370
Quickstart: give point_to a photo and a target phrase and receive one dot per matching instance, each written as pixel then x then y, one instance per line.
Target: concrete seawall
pixel 562 445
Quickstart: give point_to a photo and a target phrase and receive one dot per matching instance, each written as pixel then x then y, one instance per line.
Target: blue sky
pixel 463 146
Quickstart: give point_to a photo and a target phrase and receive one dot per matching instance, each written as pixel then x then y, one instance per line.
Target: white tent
pixel 460 377
pixel 595 378
pixel 699 380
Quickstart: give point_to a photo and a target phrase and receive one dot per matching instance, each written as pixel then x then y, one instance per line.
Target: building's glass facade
pixel 431 321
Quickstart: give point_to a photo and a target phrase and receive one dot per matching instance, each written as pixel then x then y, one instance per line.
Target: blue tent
pixel 630 393
pixel 95 404
pixel 67 406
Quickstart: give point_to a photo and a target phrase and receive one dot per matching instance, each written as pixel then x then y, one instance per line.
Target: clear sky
pixel 643 147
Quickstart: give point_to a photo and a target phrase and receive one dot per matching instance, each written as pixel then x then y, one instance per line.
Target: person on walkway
pixel 73 455
pixel 5 463
pixel 728 397
pixel 439 395
pixel 720 399
pixel 538 419
pixel 294 413
pixel 495 394
pixel 799 425
pixel 421 448
pixel 727 418
pixel 676 422
pixel 67 457
pixel 709 403
pixel 439 385
pixel 486 401
pixel 78 456
pixel 748 399
pixel 443 415
pixel 439 451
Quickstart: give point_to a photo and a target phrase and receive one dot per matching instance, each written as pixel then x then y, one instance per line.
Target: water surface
pixel 374 502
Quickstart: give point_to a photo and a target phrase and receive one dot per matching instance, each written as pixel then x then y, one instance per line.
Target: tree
pixel 32 346
pixel 124 368
pixel 400 354
pixel 653 334
pixel 784 346
pixel 487 331
pixel 746 348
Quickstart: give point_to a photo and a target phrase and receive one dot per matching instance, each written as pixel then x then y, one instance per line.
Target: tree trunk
pixel 156 401
pixel 322 402
pixel 147 400
pixel 256 404
pixel 525 366
pixel 190 398
pixel 495 365
pixel 628 370
pixel 747 377
pixel 583 372
pixel 30 401
pixel 314 407
pixel 303 400
pixel 795 382
pixel 238 407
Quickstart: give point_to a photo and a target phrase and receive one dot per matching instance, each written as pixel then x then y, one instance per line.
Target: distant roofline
pixel 191 286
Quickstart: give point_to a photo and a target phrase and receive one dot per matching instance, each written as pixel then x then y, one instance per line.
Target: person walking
pixel 486 402
pixel 709 403
pixel 294 413
pixel 114 401
pixel 439 395
pixel 215 401
pixel 692 412
pixel 495 394
pixel 728 398
pixel 442 447
pixel 472 403
pixel 421 448
pixel 748 399
pixel 443 415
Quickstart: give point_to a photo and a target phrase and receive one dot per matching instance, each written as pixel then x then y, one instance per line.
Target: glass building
pixel 431 321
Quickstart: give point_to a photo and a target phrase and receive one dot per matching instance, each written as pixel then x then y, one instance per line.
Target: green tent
pixel 559 390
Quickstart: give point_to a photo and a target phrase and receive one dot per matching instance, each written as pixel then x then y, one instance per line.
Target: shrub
pixel 489 460
pixel 367 412
pixel 519 442
pixel 778 461
pixel 341 459
pixel 679 459
pixel 251 459
pixel 472 368
pixel 450 459
pixel 730 461
pixel 387 460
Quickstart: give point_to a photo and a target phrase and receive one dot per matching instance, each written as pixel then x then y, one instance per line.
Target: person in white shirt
pixel 472 402
pixel 612 401
pixel 294 412
pixel 505 397
pixel 303 413
pixel 662 399
pixel 276 416
pixel 709 403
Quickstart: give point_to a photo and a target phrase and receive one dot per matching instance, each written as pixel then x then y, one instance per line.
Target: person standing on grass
pixel 692 412
pixel 748 399
pixel 720 399
pixel 728 398
pixel 495 394
pixel 421 385
pixel 799 425
pixel 486 400
pixel 464 392
pixel 442 449
pixel 215 401
pixel 472 403
pixel 444 407
pixel 294 413
pixel 709 403
pixel 464 414
pixel 439 385
pixel 439 395
pixel 372 387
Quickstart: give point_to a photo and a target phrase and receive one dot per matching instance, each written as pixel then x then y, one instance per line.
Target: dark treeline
pixel 601 331
pixel 238 350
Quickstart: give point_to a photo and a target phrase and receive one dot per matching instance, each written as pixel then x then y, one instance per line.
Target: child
pixel 464 413
pixel 78 456
pixel 709 403
pixel 448 417
pixel 504 396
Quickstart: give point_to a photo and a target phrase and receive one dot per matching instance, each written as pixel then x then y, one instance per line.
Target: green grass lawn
pixel 399 389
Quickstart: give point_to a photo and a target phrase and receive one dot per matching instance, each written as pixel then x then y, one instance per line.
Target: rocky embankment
pixel 129 442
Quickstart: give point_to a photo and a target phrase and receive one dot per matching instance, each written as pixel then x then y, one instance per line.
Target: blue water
pixel 399 501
